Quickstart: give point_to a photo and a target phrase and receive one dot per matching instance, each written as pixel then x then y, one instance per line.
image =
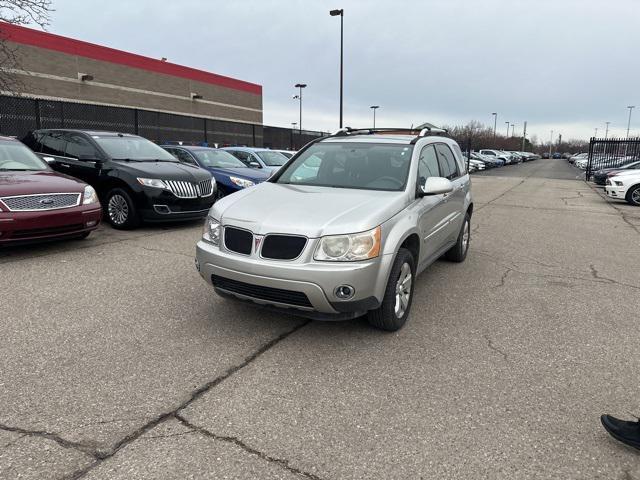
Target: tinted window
pixel 447 162
pixel 183 156
pixel 427 164
pixel 351 165
pixel 15 156
pixel 132 148
pixel 78 146
pixel 53 143
pixel 242 156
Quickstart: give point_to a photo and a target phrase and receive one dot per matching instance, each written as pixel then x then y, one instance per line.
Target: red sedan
pixel 37 203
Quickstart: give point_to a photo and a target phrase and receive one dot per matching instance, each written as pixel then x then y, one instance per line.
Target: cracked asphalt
pixel 118 361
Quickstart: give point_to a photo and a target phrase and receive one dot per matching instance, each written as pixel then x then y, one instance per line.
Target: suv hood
pixel 164 170
pixel 31 183
pixel 306 210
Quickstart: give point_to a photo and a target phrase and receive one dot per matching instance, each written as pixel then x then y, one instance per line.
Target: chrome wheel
pixel 118 209
pixel 635 196
pixel 466 236
pixel 403 290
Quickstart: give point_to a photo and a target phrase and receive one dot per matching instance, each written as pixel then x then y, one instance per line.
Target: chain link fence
pixel 19 115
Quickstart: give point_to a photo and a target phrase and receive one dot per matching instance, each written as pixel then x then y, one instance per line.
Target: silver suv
pixel 344 227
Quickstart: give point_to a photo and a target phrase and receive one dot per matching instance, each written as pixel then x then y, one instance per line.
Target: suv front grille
pixel 183 189
pixel 268 294
pixel 51 201
pixel 237 240
pixel 283 247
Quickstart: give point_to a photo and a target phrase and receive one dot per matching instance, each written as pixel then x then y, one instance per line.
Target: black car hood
pixel 163 170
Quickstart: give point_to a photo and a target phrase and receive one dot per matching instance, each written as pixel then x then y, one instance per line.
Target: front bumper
pixel 162 206
pixel 615 191
pixel 19 227
pixel 316 280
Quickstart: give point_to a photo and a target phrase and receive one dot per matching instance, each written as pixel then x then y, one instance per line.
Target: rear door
pixel 451 169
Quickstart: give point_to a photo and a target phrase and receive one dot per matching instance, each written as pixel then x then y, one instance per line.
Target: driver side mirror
pixel 435 186
pixel 254 164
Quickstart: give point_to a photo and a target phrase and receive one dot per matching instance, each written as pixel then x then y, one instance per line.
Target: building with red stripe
pixel 60 68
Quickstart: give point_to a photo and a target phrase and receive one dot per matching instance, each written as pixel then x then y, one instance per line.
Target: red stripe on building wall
pixel 37 38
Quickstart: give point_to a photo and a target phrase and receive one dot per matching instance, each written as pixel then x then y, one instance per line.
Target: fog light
pixel 344 292
pixel 91 223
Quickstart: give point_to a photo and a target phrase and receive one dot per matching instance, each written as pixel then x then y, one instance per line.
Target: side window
pixel 242 156
pixel 427 164
pixel 183 156
pixel 53 144
pixel 448 165
pixel 78 147
pixel 461 159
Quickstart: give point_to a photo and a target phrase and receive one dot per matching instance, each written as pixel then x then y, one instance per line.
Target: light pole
pixel 374 108
pixel 513 130
pixel 495 124
pixel 300 86
pixel 596 133
pixel 630 107
pixel 550 143
pixel 606 132
pixel 508 126
pixel 335 13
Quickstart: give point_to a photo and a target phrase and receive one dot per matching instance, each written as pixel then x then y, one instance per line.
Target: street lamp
pixel 606 132
pixel 300 86
pixel 495 124
pixel 630 107
pixel 596 133
pixel 550 143
pixel 513 130
pixel 335 13
pixel 374 108
pixel 508 126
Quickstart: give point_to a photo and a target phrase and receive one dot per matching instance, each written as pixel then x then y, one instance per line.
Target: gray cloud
pixel 567 65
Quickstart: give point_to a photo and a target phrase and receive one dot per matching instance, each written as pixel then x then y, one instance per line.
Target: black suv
pixel 135 179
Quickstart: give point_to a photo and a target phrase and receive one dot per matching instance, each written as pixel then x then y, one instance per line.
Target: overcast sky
pixel 567 65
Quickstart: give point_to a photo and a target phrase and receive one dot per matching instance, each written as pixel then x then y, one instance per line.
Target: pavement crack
pixel 596 275
pixel 503 194
pixel 493 347
pixel 286 464
pixel 193 396
pixel 63 442
pixel 504 278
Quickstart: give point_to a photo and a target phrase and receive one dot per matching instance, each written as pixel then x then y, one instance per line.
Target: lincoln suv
pixel 344 227
pixel 136 180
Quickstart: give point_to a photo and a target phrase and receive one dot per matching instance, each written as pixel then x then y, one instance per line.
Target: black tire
pixel 633 196
pixel 386 316
pixel 458 252
pixel 120 210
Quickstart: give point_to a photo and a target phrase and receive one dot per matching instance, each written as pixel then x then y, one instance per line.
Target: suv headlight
pixel 241 182
pixel 349 248
pixel 152 182
pixel 211 231
pixel 89 196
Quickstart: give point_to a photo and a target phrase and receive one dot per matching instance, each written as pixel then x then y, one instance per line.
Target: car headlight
pixel 241 182
pixel 89 196
pixel 618 183
pixel 211 231
pixel 152 182
pixel 349 248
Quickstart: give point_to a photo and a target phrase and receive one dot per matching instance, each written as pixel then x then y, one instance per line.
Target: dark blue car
pixel 230 173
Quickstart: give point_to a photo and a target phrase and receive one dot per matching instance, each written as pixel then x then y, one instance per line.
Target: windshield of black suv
pixel 133 148
pixel 368 166
pixel 272 159
pixel 14 156
pixel 218 159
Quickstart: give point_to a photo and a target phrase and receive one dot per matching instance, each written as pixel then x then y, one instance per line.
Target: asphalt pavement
pixel 119 362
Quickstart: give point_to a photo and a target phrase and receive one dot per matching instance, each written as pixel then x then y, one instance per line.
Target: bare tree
pixel 18 12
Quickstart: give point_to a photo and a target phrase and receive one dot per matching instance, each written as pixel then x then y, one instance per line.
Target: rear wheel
pixel 121 212
pixel 458 252
pixel 398 296
pixel 633 196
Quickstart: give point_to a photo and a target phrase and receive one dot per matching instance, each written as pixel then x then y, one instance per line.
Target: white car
pixel 476 164
pixel 581 163
pixel 625 186
pixel 498 154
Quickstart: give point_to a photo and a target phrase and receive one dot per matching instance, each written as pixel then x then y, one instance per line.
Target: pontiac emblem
pixel 257 240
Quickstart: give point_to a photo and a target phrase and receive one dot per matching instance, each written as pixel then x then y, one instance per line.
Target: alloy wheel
pixel 635 196
pixel 118 209
pixel 403 290
pixel 466 236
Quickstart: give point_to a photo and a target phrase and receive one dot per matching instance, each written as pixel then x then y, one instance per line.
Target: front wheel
pixel 458 252
pixel 398 296
pixel 121 212
pixel 633 196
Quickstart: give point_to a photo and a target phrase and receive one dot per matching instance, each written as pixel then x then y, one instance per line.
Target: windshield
pixel 133 148
pixel 218 158
pixel 14 156
pixel 366 166
pixel 272 159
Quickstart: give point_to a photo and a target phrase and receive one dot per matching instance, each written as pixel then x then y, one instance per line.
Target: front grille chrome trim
pixel 29 201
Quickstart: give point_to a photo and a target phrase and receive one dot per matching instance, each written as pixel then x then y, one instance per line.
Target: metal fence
pixel 611 153
pixel 19 115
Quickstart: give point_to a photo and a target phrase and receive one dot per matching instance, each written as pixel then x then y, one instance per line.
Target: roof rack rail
pixel 421 131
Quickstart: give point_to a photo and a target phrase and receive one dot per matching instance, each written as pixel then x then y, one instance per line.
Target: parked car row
pixel 485 159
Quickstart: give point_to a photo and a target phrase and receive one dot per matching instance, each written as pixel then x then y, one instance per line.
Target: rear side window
pixel 447 162
pixel 462 164
pixel 53 143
